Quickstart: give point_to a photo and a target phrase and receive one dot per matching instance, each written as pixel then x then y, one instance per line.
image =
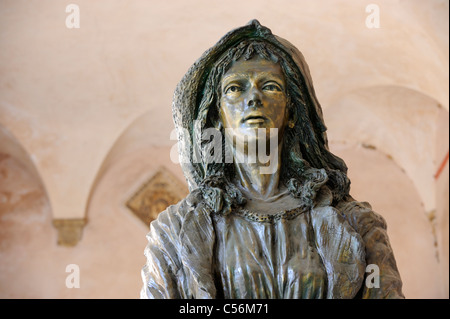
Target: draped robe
pixel 321 252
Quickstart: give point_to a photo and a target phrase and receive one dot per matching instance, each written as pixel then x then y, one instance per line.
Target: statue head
pixel 254 79
pixel 252 102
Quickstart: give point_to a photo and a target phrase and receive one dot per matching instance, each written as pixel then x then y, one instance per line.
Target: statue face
pixel 253 96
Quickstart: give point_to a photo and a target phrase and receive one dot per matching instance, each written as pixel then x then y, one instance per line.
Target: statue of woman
pixel 255 225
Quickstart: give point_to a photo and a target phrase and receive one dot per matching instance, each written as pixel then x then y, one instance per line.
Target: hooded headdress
pixel 189 92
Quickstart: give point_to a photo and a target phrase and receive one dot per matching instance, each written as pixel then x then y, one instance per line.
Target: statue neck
pixel 259 176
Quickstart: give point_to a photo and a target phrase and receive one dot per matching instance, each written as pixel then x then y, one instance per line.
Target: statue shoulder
pixel 360 215
pixel 373 230
pixel 173 216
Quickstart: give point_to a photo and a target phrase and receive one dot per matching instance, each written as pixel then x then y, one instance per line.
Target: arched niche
pixel 140 152
pixel 10 147
pixel 377 179
pixel 25 222
pixel 400 122
pixel 411 130
pixel 69 229
pixel 133 159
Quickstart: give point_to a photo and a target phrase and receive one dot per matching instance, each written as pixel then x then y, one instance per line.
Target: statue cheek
pixel 278 112
pixel 229 114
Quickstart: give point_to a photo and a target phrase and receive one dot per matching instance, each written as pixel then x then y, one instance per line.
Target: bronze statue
pixel 259 225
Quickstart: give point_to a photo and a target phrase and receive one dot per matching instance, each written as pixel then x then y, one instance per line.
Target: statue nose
pixel 254 103
pixel 254 99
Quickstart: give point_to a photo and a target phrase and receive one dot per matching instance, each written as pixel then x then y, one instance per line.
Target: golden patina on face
pixel 253 96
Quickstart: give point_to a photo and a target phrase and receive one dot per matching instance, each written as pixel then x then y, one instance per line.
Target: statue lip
pixel 254 119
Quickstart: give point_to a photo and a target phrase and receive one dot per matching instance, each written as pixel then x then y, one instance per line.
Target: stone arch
pixel 400 122
pixel 25 221
pixel 137 154
pixel 11 147
pixel 408 128
pixel 376 178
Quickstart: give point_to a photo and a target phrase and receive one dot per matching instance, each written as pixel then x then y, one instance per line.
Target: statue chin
pixel 251 135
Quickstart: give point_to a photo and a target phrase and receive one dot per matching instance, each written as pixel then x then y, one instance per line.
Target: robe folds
pixel 319 252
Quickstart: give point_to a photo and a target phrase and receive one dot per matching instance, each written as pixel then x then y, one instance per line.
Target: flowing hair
pixel 307 166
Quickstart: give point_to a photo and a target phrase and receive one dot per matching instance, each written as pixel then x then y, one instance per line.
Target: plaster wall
pixel 85 118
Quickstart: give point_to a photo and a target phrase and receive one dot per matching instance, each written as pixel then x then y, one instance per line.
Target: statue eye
pixel 233 89
pixel 272 87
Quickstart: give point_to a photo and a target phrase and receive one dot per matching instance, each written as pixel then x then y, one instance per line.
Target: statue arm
pixel 180 252
pixel 162 273
pixel 373 230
